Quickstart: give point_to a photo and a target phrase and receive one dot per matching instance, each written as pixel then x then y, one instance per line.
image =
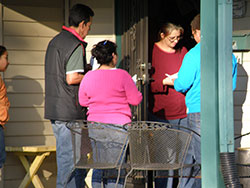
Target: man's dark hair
pixel 79 13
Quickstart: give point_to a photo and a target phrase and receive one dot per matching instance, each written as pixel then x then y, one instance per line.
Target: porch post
pixel 211 175
pixel 225 75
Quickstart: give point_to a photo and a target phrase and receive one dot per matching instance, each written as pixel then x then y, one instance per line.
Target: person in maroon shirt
pixel 167 104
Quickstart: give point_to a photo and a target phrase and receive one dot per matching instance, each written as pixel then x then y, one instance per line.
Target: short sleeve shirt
pixel 75 63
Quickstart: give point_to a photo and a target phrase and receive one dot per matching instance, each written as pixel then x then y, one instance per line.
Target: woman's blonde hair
pixel 167 28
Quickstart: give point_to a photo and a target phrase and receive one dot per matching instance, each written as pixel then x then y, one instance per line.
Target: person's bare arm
pixel 74 78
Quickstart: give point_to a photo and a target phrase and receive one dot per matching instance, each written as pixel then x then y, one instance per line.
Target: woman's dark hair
pixel 79 13
pixel 103 52
pixel 2 50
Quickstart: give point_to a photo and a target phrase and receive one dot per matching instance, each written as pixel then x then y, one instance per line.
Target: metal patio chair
pixel 99 146
pixel 157 146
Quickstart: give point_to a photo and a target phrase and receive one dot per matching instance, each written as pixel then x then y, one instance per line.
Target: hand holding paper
pixel 134 78
pixel 173 76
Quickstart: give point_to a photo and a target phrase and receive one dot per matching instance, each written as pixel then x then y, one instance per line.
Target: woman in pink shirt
pixel 108 92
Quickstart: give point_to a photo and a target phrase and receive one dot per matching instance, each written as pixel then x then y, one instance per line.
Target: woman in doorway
pixel 108 92
pixel 168 105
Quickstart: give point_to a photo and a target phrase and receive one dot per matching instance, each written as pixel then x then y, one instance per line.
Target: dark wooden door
pixel 134 45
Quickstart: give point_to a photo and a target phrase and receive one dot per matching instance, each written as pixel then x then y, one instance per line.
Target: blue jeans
pixel 167 182
pixel 64 157
pixel 109 145
pixel 2 147
pixel 193 155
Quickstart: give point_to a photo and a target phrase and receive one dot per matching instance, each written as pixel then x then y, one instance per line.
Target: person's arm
pixel 186 74
pixel 134 97
pixel 74 78
pixel 74 67
pixel 4 104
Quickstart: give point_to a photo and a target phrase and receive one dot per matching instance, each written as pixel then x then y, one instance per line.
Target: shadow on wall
pixel 26 125
pixel 46 12
pixel 239 101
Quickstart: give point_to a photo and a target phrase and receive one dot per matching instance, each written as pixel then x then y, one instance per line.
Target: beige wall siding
pixel 27 27
pixel 243 23
pixel 242 99
pixel 242 94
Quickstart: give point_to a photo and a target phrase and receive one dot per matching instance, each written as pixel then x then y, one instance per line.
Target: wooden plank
pixel 26 140
pixel 26 114
pixel 26 43
pixel 101 29
pixel 31 29
pixel 238 127
pixel 241 24
pixel 24 85
pixel 30 149
pixel 26 100
pixel 21 71
pixel 28 128
pixel 39 3
pixel 246 56
pixel 242 98
pixel 242 84
pixel 103 15
pixel 26 57
pixel 32 13
pixel 242 113
pixel 244 69
pixel 12 162
pixel 95 4
pixel 14 171
pixel 35 180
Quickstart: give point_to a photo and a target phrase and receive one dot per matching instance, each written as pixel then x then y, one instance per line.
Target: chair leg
pixel 146 180
pixel 154 173
pixel 125 181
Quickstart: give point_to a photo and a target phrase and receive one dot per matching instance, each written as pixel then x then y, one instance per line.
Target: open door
pixel 134 47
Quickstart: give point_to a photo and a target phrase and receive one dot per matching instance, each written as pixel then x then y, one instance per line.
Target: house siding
pixel 27 27
pixel 241 93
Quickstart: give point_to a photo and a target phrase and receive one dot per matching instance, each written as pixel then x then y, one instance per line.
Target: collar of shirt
pixel 73 32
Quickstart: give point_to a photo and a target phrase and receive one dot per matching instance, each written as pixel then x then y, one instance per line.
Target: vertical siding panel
pixel 242 99
pixel 27 27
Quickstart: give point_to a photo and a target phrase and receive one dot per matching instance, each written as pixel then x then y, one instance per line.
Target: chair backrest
pixel 98 145
pixel 157 146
